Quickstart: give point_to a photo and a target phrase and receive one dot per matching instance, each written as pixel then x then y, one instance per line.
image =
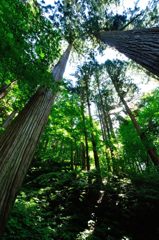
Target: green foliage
pixel 59 200
pixel 32 224
pixel 63 130
pixel 147 116
pixel 28 43
pixel 28 47
pixel 71 205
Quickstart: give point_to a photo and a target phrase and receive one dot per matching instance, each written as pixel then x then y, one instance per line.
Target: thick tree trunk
pixel 149 149
pixel 140 45
pixel 19 141
pixel 18 146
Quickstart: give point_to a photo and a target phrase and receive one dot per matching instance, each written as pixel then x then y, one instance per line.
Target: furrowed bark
pixel 18 143
pixel 140 45
pixel 17 148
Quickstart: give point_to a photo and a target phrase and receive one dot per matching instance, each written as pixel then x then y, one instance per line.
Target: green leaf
pixel 42 55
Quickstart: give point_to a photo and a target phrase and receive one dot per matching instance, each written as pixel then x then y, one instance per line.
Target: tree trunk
pixel 149 149
pixel 83 157
pixel 106 125
pixel 104 137
pixel 85 135
pixel 17 148
pixel 94 144
pixel 71 156
pixel 110 124
pixel 4 89
pixel 141 45
pixel 18 143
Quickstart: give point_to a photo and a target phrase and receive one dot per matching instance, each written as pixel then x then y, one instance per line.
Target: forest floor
pixel 64 206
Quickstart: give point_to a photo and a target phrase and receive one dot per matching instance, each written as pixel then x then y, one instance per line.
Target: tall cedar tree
pixel 139 45
pixel 18 143
pixel 150 149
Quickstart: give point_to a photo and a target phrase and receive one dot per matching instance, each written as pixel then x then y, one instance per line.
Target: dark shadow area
pixel 62 205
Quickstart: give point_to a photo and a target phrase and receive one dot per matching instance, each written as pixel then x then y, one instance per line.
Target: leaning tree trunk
pixel 17 145
pixel 151 151
pixel 140 45
pixel 4 89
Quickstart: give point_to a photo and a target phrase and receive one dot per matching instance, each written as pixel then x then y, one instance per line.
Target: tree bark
pixel 140 45
pixel 18 143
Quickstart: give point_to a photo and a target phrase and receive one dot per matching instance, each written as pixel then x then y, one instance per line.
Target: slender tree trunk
pixel 3 90
pixel 100 116
pixel 86 140
pixel 83 157
pixel 85 136
pixel 75 157
pixel 18 143
pixel 140 45
pixel 106 122
pixel 94 144
pixel 149 149
pixel 102 107
pixel 72 161
pixel 110 124
pixel 108 164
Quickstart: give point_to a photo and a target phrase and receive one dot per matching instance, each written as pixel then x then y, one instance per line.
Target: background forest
pixel 79 149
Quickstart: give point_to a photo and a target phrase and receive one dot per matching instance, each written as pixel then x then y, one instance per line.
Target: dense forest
pixel 79 120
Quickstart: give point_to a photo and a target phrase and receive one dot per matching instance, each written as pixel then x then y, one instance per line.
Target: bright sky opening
pixel 111 53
